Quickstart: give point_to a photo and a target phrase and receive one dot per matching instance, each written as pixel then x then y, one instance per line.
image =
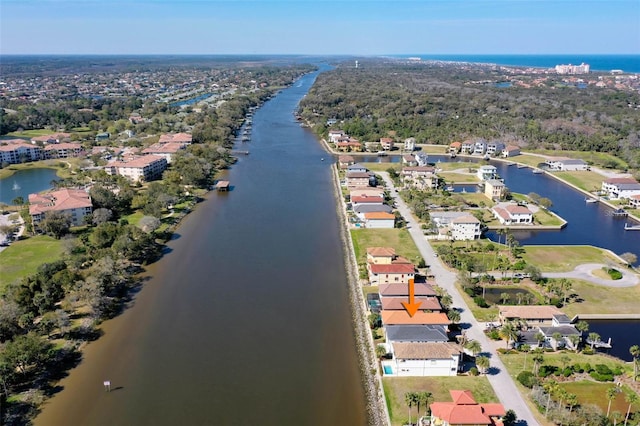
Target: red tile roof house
pixel 384 256
pixel 394 273
pixel 345 161
pixel 137 169
pixel 421 359
pixel 63 150
pixel 165 149
pixel 52 138
pixel 379 220
pixel 74 202
pixel 387 143
pixel 176 138
pixel 364 199
pixel 513 215
pixel 464 410
pixel 402 290
pixel 14 151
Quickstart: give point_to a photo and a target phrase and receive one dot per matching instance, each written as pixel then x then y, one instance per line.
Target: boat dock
pixel 628 227
pixel 223 186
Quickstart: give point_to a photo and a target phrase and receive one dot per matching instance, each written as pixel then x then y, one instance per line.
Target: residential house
pixel 379 220
pixel 565 339
pixel 357 167
pixel 402 290
pixel 512 214
pixel 63 150
pixel 351 145
pixel 566 164
pixel 511 151
pixel 104 136
pixel 51 139
pixel 336 135
pixel 409 160
pixel 138 169
pixel 359 179
pixel 465 228
pixel 76 203
pixel 387 143
pixel 494 148
pixel 427 303
pixel 345 161
pixel 367 192
pixel 624 187
pixel 393 273
pixel 539 315
pixel 479 147
pixel 455 147
pixel 402 317
pixel 420 177
pixel 360 200
pixel 181 138
pixel 464 410
pixel 382 255
pixel 167 150
pixel 421 158
pixel 15 151
pixel 410 359
pixel 634 201
pixel 467 147
pixel 494 189
pixel 487 172
pixel 410 144
pixel 361 209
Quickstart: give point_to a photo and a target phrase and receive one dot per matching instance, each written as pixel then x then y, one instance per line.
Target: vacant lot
pixel 585 180
pixel 564 258
pixel 399 239
pixel 595 393
pixel 597 299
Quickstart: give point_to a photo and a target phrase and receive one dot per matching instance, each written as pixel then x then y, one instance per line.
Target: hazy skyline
pixel 358 27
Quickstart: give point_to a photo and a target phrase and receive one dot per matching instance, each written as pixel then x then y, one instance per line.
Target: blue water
pixel 25 182
pixel 627 63
pixel 388 370
pixel 192 100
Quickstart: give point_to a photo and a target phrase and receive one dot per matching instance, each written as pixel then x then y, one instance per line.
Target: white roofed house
pixel 466 228
pixel 409 144
pixel 479 147
pixel 379 220
pixel 467 147
pixel 76 203
pixel 624 187
pixel 138 169
pixel 634 201
pixel 336 135
pixel 513 214
pixel 567 164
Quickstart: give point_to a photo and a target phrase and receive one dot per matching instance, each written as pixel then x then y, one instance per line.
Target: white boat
pixel 449 188
pixel 538 171
pixel 16 187
pixel 590 200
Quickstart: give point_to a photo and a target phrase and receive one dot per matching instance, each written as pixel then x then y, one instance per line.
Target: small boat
pixel 521 166
pixel 538 171
pixel 322 159
pixel 16 187
pixel 382 153
pixel 590 200
pixel 449 188
pixel 619 212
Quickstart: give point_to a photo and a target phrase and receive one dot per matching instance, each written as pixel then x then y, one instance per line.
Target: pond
pixel 25 182
pixel 517 295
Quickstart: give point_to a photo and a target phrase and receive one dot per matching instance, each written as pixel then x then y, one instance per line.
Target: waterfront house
pixel 386 143
pixel 345 161
pixel 512 214
pixel 365 200
pixel 381 255
pixel 566 164
pixel 420 177
pixel 467 147
pixel 464 410
pixel 138 169
pixel 487 172
pixel 399 273
pixel 421 158
pixel 351 145
pixel 402 290
pixel 566 331
pixel 402 317
pixel 624 187
pixel 455 147
pixel 634 201
pixel 479 147
pixel 358 179
pixel 411 359
pixel 539 315
pixel 494 189
pixel 367 192
pixel 336 135
pixel 15 151
pixel 379 220
pixel 357 168
pixel 427 303
pixel 409 160
pixel 511 151
pixel 63 150
pixel 416 333
pixel 494 148
pixel 410 144
pixel 361 209
pixel 76 203
pixel 465 228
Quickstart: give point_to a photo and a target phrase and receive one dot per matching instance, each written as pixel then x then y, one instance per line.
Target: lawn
pixel 399 239
pixel 544 217
pixel 514 361
pixel 134 218
pixel 585 180
pixel 32 133
pixel 23 257
pixel 564 258
pixel 597 158
pixel 453 177
pixel 396 387
pixel 602 300
pixel 383 167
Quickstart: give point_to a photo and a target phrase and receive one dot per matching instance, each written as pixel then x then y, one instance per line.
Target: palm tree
pixel 538 359
pixel 509 333
pixel 556 339
pixel 611 395
pixel 635 353
pixel 483 363
pixel 539 338
pixel 551 387
pixel 525 348
pixel 631 399
pixel 381 351
pixel 504 297
pixel 575 341
pixel 454 316
pixel 423 398
pixel 410 399
pixel 572 400
pixel 582 326
pixel 594 338
pixel 474 346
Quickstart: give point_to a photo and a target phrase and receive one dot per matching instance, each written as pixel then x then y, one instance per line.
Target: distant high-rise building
pixel 573 69
pixel 356 64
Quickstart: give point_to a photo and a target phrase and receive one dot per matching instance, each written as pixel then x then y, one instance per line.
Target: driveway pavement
pixel 502 383
pixel 585 272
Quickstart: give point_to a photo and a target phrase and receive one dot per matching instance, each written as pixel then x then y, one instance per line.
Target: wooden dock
pixel 223 185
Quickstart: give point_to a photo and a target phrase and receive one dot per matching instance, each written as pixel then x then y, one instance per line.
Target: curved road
pixel 501 382
pixel 585 272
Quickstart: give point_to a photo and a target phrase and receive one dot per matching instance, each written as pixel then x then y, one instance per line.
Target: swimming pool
pixel 387 369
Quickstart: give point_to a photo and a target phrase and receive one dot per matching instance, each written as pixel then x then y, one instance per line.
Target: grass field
pixel 602 300
pixel 22 258
pixel 546 218
pixel 32 133
pixel 399 239
pixel 595 393
pixel 453 177
pixel 585 180
pixel 597 158
pixel 396 387
pixel 564 258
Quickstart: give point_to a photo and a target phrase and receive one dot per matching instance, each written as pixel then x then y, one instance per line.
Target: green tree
pixel 509 333
pixel 56 223
pixel 611 394
pixel 424 398
pixel 510 418
pixel 381 351
pixel 631 399
pixel 593 339
pixel 572 400
pixel 557 336
pixel 635 353
pixel 454 316
pixel 538 359
pixel 410 398
pixel 474 347
pixel 483 363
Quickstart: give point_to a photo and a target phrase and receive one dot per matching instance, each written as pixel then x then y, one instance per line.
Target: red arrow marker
pixel 411 306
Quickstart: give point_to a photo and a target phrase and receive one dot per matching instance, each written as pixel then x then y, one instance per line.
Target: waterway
pixel 246 319
pixel 623 334
pixel 25 182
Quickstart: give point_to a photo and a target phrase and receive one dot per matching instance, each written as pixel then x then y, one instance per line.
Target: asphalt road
pixel 498 376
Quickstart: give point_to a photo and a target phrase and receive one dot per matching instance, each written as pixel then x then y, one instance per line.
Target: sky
pixel 350 27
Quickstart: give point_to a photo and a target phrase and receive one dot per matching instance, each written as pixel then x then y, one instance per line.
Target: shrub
pixel 601 377
pixel 474 371
pixel 588 351
pixel 546 370
pixel 493 334
pixel 603 369
pixel 470 291
pixel 481 302
pixel 587 368
pixel 527 379
pixel 567 372
pixel 613 273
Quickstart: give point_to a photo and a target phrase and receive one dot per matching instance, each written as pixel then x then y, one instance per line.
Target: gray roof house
pixel 416 333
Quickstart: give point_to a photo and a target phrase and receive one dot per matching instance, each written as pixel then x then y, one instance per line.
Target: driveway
pixel 585 272
pixel 500 380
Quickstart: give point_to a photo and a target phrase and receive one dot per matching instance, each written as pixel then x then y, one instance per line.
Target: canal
pixel 246 319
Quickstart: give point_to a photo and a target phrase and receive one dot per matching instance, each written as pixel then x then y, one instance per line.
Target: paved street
pixel 502 383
